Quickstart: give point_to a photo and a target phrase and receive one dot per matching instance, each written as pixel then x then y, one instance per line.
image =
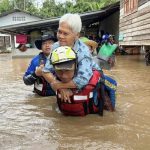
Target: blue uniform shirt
pixel 35 62
pixel 85 64
pixel 30 77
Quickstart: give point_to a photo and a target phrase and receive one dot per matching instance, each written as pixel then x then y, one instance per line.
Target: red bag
pixel 82 102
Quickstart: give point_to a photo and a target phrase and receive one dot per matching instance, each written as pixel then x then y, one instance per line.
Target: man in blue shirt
pixel 33 74
pixel 68 35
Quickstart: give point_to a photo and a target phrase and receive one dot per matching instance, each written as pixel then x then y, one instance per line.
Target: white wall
pixel 17 18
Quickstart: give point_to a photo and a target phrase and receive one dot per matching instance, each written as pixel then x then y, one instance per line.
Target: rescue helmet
pixel 62 54
pixel 63 57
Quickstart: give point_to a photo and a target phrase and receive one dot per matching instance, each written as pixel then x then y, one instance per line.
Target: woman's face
pixel 65 35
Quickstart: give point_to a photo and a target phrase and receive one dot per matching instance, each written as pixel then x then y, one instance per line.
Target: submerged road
pixel 29 122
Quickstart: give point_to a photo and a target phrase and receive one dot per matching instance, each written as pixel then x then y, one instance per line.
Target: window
pixel 130 6
pixel 18 18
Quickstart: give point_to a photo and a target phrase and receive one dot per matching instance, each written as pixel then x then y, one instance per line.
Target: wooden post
pixel 12 43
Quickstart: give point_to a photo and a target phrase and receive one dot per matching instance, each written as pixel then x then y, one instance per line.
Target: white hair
pixel 73 20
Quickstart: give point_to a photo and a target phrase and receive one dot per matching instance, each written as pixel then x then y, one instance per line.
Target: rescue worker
pixel 80 102
pixel 33 74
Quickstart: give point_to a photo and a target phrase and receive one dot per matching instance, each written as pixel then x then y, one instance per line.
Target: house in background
pixel 16 17
pixel 134 26
pixel 93 23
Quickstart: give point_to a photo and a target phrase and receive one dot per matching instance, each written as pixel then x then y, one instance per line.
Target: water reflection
pixel 28 121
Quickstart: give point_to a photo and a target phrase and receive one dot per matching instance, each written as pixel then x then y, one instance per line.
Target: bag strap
pixel 41 58
pixel 101 89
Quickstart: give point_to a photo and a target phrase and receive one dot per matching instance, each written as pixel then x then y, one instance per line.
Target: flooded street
pixel 29 122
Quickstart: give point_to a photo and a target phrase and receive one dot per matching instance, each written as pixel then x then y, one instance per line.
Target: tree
pixel 30 7
pixel 27 5
pixel 5 6
pixel 48 9
pixel 24 4
pixel 51 9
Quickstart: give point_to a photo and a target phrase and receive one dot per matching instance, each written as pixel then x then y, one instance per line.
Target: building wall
pixel 17 18
pixel 4 42
pixel 134 28
pixel 111 25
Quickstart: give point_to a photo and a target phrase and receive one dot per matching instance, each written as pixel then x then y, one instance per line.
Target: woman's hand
pixel 65 95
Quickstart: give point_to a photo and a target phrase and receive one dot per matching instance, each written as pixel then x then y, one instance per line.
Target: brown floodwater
pixel 29 122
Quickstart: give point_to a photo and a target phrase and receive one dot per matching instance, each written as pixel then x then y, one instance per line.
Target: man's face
pixel 47 46
pixel 65 75
pixel 65 35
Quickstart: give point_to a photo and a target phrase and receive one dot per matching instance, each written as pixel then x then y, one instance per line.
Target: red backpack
pixel 83 102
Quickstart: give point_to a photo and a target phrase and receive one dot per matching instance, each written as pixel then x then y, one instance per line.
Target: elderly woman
pixel 68 35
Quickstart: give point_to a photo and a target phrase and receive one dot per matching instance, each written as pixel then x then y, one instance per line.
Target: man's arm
pixel 49 77
pixel 60 85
